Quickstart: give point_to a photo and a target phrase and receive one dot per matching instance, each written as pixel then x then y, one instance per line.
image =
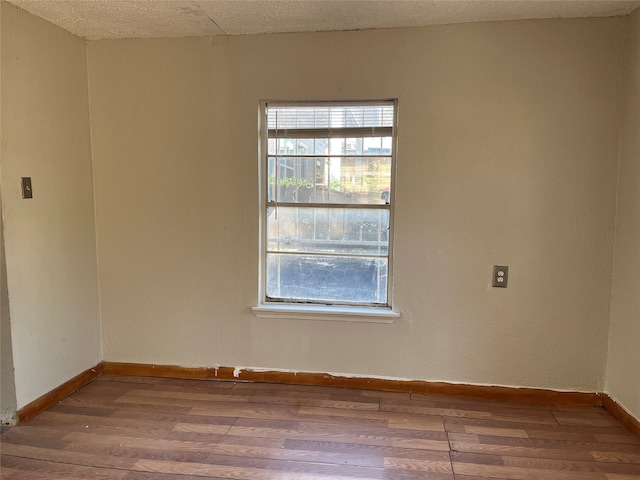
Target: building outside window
pixel 327 186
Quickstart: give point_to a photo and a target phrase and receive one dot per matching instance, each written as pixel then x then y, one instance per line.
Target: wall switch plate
pixel 27 192
pixel 500 276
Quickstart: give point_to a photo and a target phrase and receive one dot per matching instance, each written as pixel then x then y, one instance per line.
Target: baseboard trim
pixel 49 399
pixel 618 412
pixel 487 392
pixel 150 370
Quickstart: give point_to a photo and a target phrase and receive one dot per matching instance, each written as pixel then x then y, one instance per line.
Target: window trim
pixel 268 308
pixel 337 313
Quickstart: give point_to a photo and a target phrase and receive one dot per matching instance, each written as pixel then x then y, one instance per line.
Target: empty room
pixel 320 239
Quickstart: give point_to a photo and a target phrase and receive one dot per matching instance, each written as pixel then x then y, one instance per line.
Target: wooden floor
pixel 150 428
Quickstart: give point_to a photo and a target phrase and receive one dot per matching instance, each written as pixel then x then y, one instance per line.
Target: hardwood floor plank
pixel 64 456
pixel 295 413
pixel 192 382
pixel 623 437
pixel 279 464
pixel 36 431
pixel 126 414
pixel 31 440
pixel 141 442
pixel 523 415
pixel 537 447
pixel 180 394
pixel 295 471
pixel 209 439
pixel 30 469
pixel 182 387
pixel 147 399
pixel 513 473
pixel 268 442
pixel 289 425
pixel 252 410
pixel 380 394
pixel 315 402
pixel 451 422
pixel 292 454
pixel 485 427
pixel 439 402
pixel 514 450
pixel 619 457
pixel 412 475
pixel 594 419
pixel 391 433
pixel 378 451
pixel 437 445
pixel 570 465
pixel 546 464
pixel 499 432
pixel 391 419
pixel 136 453
pixel 201 428
pixel 468 477
pixel 580 433
pixel 165 476
pixel 445 412
pixel 88 411
pixel 331 433
pixel 111 402
pixel 169 467
pixel 463 399
pixel 136 379
pixel 6 472
pixel 415 465
pixel 140 427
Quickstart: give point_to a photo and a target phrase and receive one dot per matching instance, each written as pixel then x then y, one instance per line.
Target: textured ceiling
pixel 100 19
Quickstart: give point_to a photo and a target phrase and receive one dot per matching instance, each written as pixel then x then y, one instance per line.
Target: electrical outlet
pixel 500 276
pixel 27 192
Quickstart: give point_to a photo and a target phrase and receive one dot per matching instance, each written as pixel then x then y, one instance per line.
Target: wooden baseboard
pixel 486 392
pixel 619 413
pixel 511 394
pixel 148 370
pixel 42 403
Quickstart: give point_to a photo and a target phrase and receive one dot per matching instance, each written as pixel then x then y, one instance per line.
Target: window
pixel 327 180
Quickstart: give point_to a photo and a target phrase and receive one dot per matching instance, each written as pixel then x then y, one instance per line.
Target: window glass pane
pixel 358 280
pixel 295 179
pixel 284 146
pixel 355 231
pixel 349 180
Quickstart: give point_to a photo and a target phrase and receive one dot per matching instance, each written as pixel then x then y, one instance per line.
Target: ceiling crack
pixel 210 19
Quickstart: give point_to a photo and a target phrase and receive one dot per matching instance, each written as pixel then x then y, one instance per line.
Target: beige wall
pixel 50 239
pixel 7 380
pixel 507 155
pixel 623 369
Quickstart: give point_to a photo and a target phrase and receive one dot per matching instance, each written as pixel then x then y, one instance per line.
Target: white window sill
pixel 325 312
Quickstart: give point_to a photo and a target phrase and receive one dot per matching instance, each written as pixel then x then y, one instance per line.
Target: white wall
pixel 50 239
pixel 623 369
pixel 507 155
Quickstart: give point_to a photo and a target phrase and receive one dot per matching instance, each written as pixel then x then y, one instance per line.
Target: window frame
pixel 312 308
